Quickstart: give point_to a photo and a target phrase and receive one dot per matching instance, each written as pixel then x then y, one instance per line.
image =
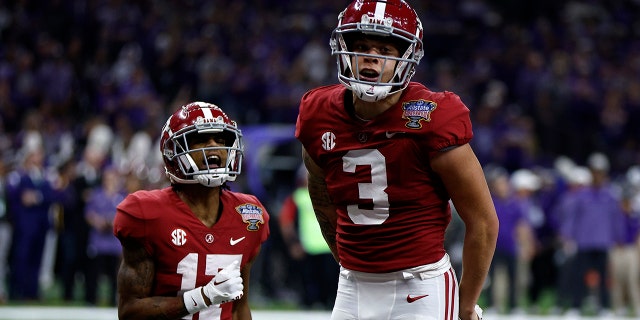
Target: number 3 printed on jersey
pixel 374 190
pixel 188 268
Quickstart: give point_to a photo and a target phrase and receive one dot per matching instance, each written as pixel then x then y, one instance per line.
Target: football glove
pixel 224 287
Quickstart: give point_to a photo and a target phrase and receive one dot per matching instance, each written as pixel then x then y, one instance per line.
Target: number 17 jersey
pixel 187 253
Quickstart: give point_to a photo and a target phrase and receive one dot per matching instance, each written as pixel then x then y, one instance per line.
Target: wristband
pixel 193 300
pixel 478 311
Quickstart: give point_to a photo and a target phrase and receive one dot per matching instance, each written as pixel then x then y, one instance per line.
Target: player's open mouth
pixel 213 162
pixel 369 75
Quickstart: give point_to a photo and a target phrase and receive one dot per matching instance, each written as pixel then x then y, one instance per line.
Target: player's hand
pixel 225 286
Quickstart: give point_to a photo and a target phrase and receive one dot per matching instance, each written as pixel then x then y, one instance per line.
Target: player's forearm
pixel 322 206
pixel 241 310
pixel 244 314
pixel 161 308
pixel 135 280
pixel 325 212
pixel 479 246
pixel 328 232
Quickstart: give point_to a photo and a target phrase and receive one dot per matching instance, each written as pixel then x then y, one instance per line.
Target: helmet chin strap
pixel 210 180
pixel 370 93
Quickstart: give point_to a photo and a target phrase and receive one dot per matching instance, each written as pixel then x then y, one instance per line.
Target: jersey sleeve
pixel 318 110
pixel 306 103
pixel 250 208
pixel 265 216
pixel 301 115
pixel 129 222
pixel 450 124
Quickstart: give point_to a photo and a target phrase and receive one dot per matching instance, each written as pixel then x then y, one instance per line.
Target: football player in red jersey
pixel 188 248
pixel 385 157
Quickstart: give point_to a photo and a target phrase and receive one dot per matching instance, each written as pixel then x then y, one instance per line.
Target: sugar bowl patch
pixel 416 111
pixel 251 215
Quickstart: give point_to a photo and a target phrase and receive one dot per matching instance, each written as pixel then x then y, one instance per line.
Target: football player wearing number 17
pixel 385 157
pixel 188 248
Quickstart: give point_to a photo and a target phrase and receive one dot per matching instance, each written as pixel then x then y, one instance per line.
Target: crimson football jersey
pixel 392 208
pixel 187 253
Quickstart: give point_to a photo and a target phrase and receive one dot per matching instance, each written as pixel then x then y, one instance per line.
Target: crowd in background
pixel 86 84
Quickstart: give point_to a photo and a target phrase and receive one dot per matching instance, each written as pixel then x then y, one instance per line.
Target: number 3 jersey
pixel 187 253
pixel 392 208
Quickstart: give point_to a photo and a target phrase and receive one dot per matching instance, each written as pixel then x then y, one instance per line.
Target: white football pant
pixel 428 292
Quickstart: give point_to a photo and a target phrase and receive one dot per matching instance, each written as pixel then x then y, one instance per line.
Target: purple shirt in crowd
pixel 103 204
pixel 593 219
pixel 631 224
pixel 510 213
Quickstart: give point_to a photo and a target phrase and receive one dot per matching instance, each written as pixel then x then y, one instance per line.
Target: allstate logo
pixel 416 111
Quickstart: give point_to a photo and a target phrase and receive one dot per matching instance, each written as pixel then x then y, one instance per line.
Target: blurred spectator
pixel 593 221
pixel 624 258
pixel 71 228
pixel 130 148
pixel 514 241
pixel 132 183
pixel 576 178
pixel 518 213
pixel 525 184
pixel 311 260
pixel 544 269
pixel 31 193
pixel 103 249
pixel 5 232
pixel 86 174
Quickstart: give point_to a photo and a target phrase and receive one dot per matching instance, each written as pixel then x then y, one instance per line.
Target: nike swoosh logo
pixel 195 304
pixel 411 299
pixel 233 242
pixel 215 283
pixel 391 134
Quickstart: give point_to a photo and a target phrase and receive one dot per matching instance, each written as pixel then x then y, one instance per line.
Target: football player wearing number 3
pixel 188 248
pixel 385 157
